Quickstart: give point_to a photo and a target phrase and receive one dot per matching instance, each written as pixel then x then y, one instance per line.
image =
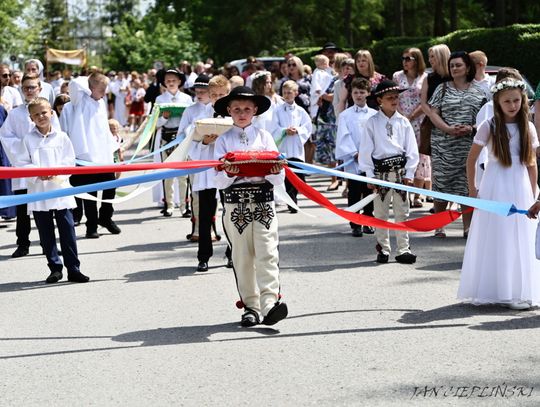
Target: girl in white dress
pixel 499 264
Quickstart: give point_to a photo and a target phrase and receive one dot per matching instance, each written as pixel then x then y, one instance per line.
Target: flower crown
pixel 508 84
pixel 260 74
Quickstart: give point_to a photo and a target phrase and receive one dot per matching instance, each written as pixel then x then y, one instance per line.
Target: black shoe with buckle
pixel 406 258
pixel 202 266
pixel 54 277
pixel 20 252
pixel 249 318
pixel 111 226
pixel 357 232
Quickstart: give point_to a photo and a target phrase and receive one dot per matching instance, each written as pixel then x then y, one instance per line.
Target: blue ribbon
pixel 12 200
pixel 499 208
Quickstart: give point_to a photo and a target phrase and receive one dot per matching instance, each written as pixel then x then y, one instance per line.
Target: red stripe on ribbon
pixel 423 224
pixel 11 172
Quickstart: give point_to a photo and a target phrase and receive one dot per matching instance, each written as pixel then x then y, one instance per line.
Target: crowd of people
pixel 455 129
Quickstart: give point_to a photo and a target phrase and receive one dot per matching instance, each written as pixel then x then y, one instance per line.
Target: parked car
pixel 268 61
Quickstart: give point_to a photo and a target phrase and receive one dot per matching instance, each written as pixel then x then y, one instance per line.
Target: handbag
pixel 426 127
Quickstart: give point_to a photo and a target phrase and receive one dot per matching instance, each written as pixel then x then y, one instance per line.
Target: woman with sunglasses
pixel 411 78
pixel 11 97
pixel 454 106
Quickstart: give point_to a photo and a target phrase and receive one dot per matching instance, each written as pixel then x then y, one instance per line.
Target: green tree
pixel 11 31
pixel 138 44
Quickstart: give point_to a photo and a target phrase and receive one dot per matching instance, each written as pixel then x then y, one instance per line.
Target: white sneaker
pixel 519 306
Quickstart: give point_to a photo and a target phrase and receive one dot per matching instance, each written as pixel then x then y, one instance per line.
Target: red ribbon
pixel 423 224
pixel 11 172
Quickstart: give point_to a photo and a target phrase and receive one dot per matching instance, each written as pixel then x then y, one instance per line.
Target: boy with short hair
pixel 351 125
pixel 482 79
pixel 168 126
pixel 389 152
pixel 93 142
pixel 292 127
pixel 45 147
pixel 12 133
pixel 249 219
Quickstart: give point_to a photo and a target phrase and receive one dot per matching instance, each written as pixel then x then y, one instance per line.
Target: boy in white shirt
pixel 249 217
pixel 389 152
pixel 292 127
pixel 320 80
pixel 16 126
pixel 46 147
pixel 168 126
pixel 351 125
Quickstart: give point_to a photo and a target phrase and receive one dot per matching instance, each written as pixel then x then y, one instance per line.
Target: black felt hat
pixel 329 46
pixel 242 93
pixel 176 72
pixel 201 82
pixel 387 86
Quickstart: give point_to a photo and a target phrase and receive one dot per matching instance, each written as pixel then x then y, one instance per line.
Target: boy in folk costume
pixel 168 126
pixel 44 146
pixel 16 126
pixel 351 125
pixel 389 152
pixel 292 127
pixel 249 217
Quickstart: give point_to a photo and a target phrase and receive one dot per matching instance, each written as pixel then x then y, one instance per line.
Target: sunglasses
pixel 6 75
pixel 408 59
pixel 291 64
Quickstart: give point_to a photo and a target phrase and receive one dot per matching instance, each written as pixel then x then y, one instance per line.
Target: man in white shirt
pixel 10 95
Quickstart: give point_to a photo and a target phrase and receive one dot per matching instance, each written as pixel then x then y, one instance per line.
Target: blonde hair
pixel 478 57
pixel 97 79
pixel 500 138
pixel 321 59
pixel 338 60
pixel 299 65
pixel 441 52
pixel 291 85
pixel 235 81
pixel 363 53
pixel 38 102
pixel 219 81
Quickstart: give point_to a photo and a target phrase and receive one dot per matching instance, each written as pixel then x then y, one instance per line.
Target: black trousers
pixel 228 251
pixel 68 241
pixel 207 211
pixel 358 191
pixel 23 226
pixel 90 207
pixel 291 190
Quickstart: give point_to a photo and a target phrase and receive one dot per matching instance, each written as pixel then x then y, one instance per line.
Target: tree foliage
pixel 138 44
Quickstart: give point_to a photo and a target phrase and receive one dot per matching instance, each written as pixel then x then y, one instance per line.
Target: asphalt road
pixel 149 330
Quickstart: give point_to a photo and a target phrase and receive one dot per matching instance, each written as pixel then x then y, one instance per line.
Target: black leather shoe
pixel 77 277
pixel 20 252
pixel 111 226
pixel 357 232
pixel 276 314
pixel 203 266
pixel 92 235
pixel 229 264
pixel 406 258
pixel 382 258
pixel 249 318
pixel 368 230
pixel 54 277
pixel 187 214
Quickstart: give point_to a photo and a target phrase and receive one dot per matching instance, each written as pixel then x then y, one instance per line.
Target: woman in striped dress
pixel 454 106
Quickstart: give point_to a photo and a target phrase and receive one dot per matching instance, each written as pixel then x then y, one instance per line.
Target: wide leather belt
pixel 249 193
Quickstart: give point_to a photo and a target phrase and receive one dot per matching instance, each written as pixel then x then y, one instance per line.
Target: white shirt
pixel 65 117
pixel 320 80
pixel 52 150
pixel 377 143
pixel 266 121
pixel 89 131
pixel 167 97
pixel 12 96
pixel 192 113
pixel 255 140
pixel 17 125
pixel 486 84
pixel 351 125
pixel 286 116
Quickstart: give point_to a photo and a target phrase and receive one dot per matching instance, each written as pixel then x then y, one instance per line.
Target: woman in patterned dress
pixel 411 78
pixel 454 107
